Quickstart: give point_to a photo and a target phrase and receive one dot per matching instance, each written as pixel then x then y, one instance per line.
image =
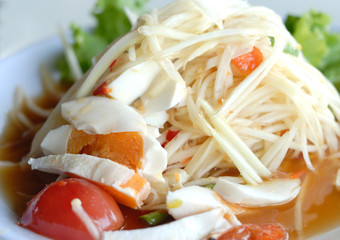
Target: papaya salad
pixel 205 121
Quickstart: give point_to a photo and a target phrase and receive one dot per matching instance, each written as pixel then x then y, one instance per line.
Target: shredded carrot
pixel 283 132
pixel 185 161
pixel 246 63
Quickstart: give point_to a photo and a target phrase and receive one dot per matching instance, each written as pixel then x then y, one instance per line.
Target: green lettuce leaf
pixel 112 23
pixel 310 30
pixel 86 45
pixel 320 46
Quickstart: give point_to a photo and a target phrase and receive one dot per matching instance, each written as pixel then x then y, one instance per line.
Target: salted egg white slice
pixel 174 93
pixel 133 82
pixel 192 200
pixel 154 159
pixel 156 119
pixel 55 142
pixel 128 188
pixel 269 193
pixel 190 228
pixel 101 115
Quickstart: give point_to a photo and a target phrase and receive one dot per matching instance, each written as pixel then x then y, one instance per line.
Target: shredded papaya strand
pixel 283 132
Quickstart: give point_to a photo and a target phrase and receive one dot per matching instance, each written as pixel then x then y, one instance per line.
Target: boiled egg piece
pixel 127 187
pixel 190 228
pixel 156 119
pixel 153 131
pixel 154 160
pixel 269 193
pixel 172 94
pixel 192 200
pixel 55 142
pixel 133 82
pixel 140 152
pixel 101 115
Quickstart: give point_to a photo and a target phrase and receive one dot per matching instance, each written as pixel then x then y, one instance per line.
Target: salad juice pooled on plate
pixel 198 118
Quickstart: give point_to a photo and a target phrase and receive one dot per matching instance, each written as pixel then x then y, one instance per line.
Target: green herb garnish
pixel 320 46
pixel 112 22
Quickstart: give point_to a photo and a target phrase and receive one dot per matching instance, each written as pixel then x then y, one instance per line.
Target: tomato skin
pixel 50 212
pixel 255 232
pixel 248 62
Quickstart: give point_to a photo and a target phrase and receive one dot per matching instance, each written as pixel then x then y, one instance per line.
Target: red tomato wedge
pixel 50 212
pixel 255 232
pixel 248 62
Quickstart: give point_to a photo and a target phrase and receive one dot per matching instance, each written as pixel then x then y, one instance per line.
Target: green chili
pixel 155 218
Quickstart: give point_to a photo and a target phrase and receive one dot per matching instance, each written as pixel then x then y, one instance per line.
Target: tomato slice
pixel 248 62
pixel 50 212
pixel 255 232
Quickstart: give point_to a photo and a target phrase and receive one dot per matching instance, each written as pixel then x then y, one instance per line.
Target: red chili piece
pixel 170 135
pixel 102 90
pixel 112 64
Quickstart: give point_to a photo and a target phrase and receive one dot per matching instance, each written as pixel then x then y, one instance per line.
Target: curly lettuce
pixel 112 22
pixel 320 46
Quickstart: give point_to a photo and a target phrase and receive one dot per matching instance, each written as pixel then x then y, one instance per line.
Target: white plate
pixel 22 69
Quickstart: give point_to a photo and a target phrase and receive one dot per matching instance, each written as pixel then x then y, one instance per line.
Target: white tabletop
pixel 24 22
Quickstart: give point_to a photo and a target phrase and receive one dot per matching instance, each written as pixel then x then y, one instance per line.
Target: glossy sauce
pixel 320 208
pixel 19 184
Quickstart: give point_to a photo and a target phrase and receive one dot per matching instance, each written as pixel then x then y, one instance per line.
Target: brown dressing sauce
pixel 322 211
pixel 19 183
